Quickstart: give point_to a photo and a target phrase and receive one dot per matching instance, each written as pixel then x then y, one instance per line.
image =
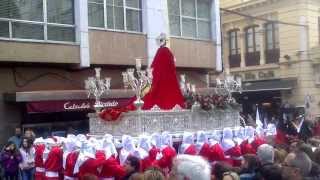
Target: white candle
pixel 207 79
pixel 108 82
pixel 227 71
pixel 193 88
pixel 183 78
pixel 98 70
pixel 86 84
pixel 188 86
pixel 149 72
pixel 125 76
pixel 138 64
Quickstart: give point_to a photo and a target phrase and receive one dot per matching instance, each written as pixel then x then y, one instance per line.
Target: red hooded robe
pixel 70 163
pixel 38 161
pixel 165 90
pixel 53 164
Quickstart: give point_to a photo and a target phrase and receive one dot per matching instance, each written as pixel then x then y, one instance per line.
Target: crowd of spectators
pixel 297 158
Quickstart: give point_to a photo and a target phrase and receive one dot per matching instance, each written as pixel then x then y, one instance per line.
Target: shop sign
pixel 74 105
pixel 257 75
pixel 87 105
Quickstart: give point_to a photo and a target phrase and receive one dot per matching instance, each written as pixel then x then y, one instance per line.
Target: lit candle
pixel 193 88
pixel 86 84
pixel 108 82
pixel 183 78
pixel 207 80
pixel 125 77
pixel 188 86
pixel 149 72
pixel 138 64
pixel 130 73
pixel 238 79
pixel 98 70
pixel 227 71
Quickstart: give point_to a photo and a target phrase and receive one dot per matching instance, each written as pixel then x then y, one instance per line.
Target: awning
pixel 74 105
pixel 68 100
pixel 58 95
pixel 269 85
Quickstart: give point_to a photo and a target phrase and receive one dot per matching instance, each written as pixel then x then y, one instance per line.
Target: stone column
pixel 242 39
pixel 303 38
pixel 261 39
pixel 216 32
pixel 82 36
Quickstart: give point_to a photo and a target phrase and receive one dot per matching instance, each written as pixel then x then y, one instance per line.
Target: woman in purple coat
pixel 10 159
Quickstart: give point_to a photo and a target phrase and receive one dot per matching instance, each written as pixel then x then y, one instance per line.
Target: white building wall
pixel 155 21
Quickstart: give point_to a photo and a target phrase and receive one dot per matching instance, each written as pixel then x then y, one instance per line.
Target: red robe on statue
pixel 165 90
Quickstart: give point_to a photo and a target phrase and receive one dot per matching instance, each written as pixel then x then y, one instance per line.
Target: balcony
pixel 234 60
pixel 253 58
pixel 315 55
pixel 272 56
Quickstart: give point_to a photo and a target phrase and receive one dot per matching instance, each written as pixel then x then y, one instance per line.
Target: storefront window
pixel 58 123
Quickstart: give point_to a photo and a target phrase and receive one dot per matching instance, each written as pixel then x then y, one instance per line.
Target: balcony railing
pixel 272 56
pixel 253 58
pixel 234 60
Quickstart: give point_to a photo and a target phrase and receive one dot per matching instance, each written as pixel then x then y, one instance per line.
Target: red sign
pixel 74 105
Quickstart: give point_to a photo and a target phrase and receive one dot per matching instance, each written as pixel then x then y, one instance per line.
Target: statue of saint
pixel 165 90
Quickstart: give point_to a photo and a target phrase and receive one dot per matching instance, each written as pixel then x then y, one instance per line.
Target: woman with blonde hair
pixel 153 174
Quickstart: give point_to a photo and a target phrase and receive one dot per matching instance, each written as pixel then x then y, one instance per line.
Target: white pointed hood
pixel 271 130
pixel 187 140
pixel 128 148
pixel 156 140
pixel 216 137
pixel 69 146
pixel 227 139
pixel 166 139
pixel 239 135
pixel 108 146
pixel 202 138
pixel 87 151
pixel 249 133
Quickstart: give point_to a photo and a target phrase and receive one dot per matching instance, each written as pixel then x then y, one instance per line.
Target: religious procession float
pixel 164 104
pixel 165 117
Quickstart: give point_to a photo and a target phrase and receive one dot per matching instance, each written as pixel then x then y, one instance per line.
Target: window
pixel 190 18
pixel 234 50
pixel 25 19
pixel 252 46
pixel 124 15
pixel 272 43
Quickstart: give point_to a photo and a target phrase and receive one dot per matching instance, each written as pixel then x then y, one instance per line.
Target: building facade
pixel 272 46
pixel 48 49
